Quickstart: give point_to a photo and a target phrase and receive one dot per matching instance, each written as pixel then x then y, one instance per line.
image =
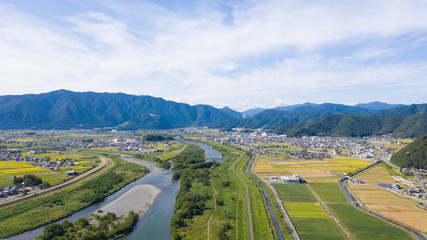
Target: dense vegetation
pixel 28 180
pixel 357 126
pixel 41 211
pixel 413 155
pixel 192 170
pixel 156 138
pixel 93 227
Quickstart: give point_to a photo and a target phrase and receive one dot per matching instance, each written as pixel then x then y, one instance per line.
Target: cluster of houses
pixel 10 191
pixel 6 154
pixel 417 192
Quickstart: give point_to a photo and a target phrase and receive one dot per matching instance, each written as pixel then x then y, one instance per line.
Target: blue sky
pixel 241 54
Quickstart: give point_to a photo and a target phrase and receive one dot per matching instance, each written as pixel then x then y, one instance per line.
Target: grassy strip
pixel 260 216
pixel 38 212
pixel 232 192
pixel 280 219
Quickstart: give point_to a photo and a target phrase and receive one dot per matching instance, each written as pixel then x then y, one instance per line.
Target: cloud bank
pixel 243 55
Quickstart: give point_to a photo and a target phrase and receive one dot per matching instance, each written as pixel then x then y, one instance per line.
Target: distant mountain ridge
pixel 67 109
pixel 359 126
pixel 308 112
pixel 378 105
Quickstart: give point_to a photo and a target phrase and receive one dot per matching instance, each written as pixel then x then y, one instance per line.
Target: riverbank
pixel 137 199
pixel 20 217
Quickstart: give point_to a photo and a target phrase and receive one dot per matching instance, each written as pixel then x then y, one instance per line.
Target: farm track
pixel 67 184
pixel 213 212
pixel 251 231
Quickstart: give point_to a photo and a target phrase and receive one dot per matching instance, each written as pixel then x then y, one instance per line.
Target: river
pixel 155 223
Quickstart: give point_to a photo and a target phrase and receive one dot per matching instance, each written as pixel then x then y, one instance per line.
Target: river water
pixel 155 223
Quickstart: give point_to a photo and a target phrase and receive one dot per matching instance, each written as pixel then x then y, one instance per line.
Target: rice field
pixel 24 171
pixel 329 192
pixel 364 226
pixel 294 193
pixel 5 180
pixel 52 178
pixel 305 210
pixel 328 179
pixel 389 204
pixel 272 166
pixel 13 164
pixel 377 174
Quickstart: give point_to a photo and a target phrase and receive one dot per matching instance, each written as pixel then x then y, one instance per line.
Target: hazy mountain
pixel 299 107
pixel 308 112
pixel 378 105
pixel 67 109
pixel 413 155
pixel 252 112
pixel 359 126
pixel 273 118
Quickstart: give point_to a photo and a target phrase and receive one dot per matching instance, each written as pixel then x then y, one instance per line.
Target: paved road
pixel 62 185
pixel 251 230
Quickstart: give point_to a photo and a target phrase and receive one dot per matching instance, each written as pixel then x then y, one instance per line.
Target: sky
pixel 240 54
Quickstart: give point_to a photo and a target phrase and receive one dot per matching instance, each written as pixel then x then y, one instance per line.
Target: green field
pixel 294 193
pixel 52 178
pixel 305 210
pixel 364 226
pixel 317 229
pixel 329 192
pixel 5 180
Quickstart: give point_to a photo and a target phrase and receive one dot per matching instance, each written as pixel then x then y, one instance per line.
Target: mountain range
pixel 66 109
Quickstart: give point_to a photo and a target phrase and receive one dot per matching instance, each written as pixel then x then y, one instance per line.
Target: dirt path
pixel 210 217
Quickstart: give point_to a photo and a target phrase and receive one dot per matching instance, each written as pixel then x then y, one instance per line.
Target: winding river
pixel 155 223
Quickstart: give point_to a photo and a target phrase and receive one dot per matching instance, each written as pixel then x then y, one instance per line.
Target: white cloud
pixel 272 48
